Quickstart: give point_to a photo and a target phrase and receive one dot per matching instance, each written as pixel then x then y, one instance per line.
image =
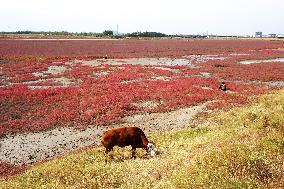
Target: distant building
pixel 258 34
pixel 273 35
pixel 280 36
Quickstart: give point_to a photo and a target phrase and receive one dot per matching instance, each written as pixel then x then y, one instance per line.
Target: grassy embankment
pixel 241 148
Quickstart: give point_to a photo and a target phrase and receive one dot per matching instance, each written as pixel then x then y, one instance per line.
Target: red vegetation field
pixel 9 170
pixel 21 50
pixel 34 99
pixel 48 84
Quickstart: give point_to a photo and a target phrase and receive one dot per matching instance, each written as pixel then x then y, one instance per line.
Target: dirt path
pixel 33 147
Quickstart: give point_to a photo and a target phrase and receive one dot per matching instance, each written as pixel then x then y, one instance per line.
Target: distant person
pixel 105 56
pixel 223 86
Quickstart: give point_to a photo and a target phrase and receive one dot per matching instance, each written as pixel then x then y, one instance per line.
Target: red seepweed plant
pixel 45 84
pixel 34 98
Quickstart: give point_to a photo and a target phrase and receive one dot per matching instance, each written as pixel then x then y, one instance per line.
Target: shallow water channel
pixel 261 61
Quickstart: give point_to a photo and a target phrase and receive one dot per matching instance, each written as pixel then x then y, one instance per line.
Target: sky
pixel 222 17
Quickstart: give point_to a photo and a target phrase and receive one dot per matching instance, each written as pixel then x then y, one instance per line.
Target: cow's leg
pixel 106 154
pixel 133 152
pixel 108 150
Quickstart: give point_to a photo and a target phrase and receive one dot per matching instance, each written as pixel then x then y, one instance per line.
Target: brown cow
pixel 127 136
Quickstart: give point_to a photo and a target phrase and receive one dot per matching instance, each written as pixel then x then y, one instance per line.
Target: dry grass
pixel 242 148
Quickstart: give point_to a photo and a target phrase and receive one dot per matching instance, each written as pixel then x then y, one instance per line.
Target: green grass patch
pixel 241 148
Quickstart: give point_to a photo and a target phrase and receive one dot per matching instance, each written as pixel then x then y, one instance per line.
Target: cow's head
pixel 152 150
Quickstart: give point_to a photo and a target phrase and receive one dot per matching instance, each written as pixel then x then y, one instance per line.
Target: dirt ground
pixel 28 148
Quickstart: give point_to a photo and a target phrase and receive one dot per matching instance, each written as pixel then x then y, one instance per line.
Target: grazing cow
pixel 223 86
pixel 127 136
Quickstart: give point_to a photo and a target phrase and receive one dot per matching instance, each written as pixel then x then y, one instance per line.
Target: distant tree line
pixel 106 33
pixel 64 33
pixel 146 34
